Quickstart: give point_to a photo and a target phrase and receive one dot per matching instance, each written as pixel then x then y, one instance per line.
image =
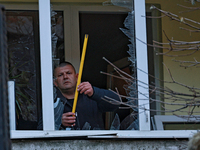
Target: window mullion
pixel 11 97
pixel 46 64
pixel 142 63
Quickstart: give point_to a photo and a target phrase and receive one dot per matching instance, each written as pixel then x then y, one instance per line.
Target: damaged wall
pixel 99 144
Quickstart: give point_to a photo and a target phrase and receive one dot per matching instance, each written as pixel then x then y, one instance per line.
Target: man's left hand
pixel 86 88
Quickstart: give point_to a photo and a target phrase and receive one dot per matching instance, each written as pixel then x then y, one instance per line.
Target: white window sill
pixel 27 134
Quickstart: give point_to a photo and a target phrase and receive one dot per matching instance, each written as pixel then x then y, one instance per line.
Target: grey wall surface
pixel 123 144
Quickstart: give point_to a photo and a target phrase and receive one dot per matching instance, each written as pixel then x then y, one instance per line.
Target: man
pixel 90 106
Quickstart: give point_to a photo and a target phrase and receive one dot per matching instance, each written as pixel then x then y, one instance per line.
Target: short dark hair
pixel 62 64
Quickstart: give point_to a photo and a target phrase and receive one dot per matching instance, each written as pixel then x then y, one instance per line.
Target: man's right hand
pixel 68 119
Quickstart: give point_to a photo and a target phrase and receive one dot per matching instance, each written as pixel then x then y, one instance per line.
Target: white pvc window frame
pixel 47 86
pixel 11 102
pixel 46 64
pixel 142 63
pixel 161 119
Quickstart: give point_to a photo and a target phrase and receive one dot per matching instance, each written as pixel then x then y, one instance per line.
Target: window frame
pixel 161 119
pixel 11 103
pixel 47 84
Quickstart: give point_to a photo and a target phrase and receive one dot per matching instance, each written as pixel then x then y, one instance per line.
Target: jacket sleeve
pixel 105 106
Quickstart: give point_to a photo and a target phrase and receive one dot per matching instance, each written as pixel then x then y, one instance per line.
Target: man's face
pixel 66 78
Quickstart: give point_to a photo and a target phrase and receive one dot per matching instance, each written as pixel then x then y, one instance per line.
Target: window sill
pixel 102 134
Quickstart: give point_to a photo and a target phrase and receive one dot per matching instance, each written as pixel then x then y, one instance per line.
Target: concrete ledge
pixel 46 144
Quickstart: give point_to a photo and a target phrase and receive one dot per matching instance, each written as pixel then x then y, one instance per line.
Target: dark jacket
pixel 89 109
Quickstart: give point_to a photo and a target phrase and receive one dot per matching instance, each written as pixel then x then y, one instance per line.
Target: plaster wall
pixel 123 144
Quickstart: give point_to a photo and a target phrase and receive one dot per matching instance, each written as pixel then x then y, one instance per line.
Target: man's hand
pixel 86 88
pixel 68 119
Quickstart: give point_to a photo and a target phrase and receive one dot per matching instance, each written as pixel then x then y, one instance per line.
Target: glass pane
pixel 110 28
pixel 24 62
pixel 174 84
pixel 24 67
pixel 57 36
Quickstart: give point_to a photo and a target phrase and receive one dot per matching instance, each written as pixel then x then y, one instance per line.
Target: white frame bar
pixel 160 119
pixel 46 64
pixel 11 99
pixel 172 134
pixel 142 63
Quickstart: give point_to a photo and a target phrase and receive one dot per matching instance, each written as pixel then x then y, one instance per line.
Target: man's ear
pixel 77 76
pixel 54 82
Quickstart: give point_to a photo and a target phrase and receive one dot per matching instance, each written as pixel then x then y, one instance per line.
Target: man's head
pixel 65 77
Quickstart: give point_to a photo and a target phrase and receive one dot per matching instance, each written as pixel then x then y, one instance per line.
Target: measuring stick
pixel 80 72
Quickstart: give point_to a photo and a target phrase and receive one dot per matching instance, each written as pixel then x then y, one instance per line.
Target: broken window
pixel 24 63
pixel 112 35
pixel 23 49
pixel 110 26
